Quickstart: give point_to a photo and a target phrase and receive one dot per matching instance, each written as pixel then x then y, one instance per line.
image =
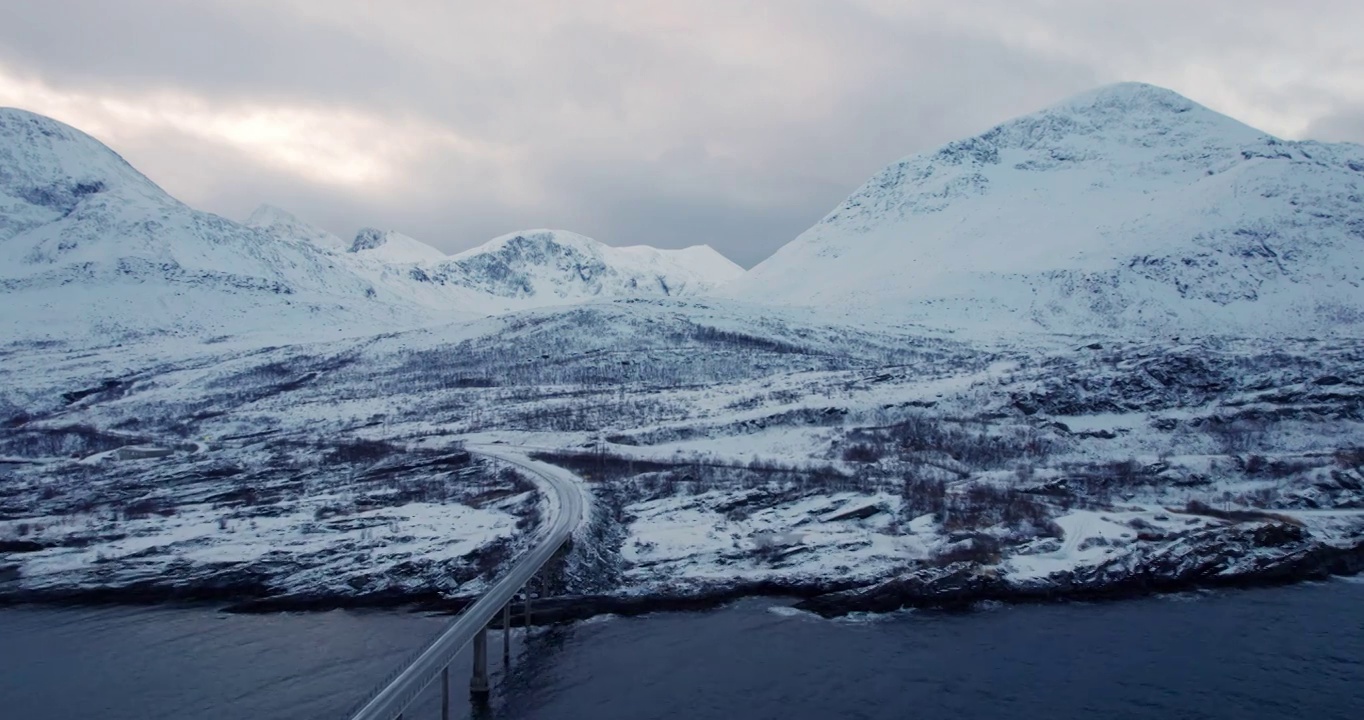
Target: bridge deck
pixel 404 687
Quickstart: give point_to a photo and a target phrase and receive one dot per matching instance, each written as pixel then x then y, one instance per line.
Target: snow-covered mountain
pixel 393 247
pixel 93 252
pixel 284 224
pixel 1125 209
pixel 555 264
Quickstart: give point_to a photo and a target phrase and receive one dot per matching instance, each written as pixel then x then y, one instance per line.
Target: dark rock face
pixel 1263 553
pixel 859 512
pixel 368 239
pixel 1140 380
pixel 1244 555
pixel 61 197
pixel 956 585
pixel 227 586
pixel 20 546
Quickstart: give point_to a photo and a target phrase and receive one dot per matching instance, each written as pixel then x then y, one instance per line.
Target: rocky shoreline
pixel 1244 555
pixel 1235 566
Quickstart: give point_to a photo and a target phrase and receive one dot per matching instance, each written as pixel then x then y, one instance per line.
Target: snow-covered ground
pixel 1139 365
pixel 786 454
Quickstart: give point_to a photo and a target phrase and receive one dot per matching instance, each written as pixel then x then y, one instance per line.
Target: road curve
pixel 565 493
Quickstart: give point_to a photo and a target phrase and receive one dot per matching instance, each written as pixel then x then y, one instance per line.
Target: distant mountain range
pixel 550 265
pixel 91 247
pixel 1127 210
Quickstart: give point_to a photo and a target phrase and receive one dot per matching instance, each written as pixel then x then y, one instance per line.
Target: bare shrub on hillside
pixel 978 549
pixel 71 440
pixel 1100 483
pixel 862 453
pixel 919 435
pixel 695 476
pixel 1238 436
pixel 1350 457
pixel 358 452
pixel 982 505
pixel 1197 507
pixel 923 496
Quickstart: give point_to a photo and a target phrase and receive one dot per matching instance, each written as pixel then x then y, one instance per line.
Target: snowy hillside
pixel 393 247
pixel 1127 209
pixel 729 449
pixel 92 252
pixel 284 224
pixel 550 265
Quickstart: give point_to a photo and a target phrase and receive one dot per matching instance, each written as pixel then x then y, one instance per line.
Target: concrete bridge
pixel 471 626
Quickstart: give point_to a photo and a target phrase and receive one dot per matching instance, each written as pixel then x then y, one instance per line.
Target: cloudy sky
pixel 736 123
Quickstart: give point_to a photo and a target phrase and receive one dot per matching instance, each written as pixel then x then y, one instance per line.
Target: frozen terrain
pixel 922 400
pixel 795 455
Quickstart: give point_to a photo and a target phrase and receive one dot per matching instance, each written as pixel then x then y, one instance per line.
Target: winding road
pixel 565 493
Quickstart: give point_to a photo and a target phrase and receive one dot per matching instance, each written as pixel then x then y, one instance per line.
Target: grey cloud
pixel 1344 125
pixel 735 124
pixel 195 45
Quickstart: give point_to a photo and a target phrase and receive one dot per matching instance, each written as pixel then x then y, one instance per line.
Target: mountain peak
pixel 1128 206
pixel 537 239
pixel 547 263
pixel 1133 95
pixel 1127 113
pixel 33 144
pixel 368 239
pixel 703 261
pixel 1148 130
pixel 49 167
pixel 282 223
pixel 267 215
pixel 393 247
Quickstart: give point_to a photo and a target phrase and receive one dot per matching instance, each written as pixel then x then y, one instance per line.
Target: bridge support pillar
pixel 506 637
pixel 478 684
pixel 445 693
pixel 529 584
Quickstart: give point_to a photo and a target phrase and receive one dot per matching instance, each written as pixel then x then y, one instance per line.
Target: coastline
pixel 955 586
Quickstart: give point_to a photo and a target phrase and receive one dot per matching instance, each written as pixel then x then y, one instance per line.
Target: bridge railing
pixel 405 685
pixel 395 672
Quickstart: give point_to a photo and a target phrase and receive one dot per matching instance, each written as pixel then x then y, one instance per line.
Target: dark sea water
pixel 1289 652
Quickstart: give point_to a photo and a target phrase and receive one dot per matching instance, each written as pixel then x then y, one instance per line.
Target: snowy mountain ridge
pixel 536 263
pixel 282 223
pixel 1126 209
pixel 92 252
pixel 393 247
pixel 520 269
